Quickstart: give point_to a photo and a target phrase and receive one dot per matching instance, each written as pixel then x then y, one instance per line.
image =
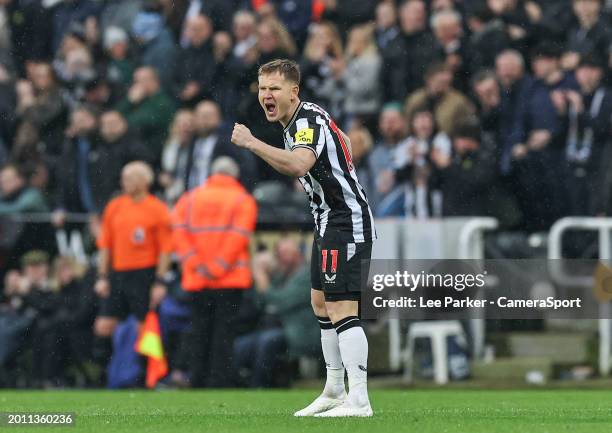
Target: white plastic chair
pixel 437 331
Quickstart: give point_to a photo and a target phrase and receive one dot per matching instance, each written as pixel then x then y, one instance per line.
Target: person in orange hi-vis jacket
pixel 212 225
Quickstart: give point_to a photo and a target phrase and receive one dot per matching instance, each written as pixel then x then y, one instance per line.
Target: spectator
pixel 361 146
pixel 519 19
pixel 515 88
pixel 179 12
pixel 176 155
pixel 40 103
pixel 360 78
pixel 447 28
pixel 100 92
pixel 156 43
pixel 31 27
pixel 195 68
pixel 467 176
pixel 386 24
pixel 393 130
pixel 488 95
pixel 589 35
pixel 67 12
pixel 407 57
pixel 17 196
pixel 536 156
pixel 244 29
pixel 488 37
pixel 450 107
pixel 134 251
pixel 224 90
pixel 74 63
pixel 411 164
pixel 587 113
pixel 148 110
pixel 120 68
pixel 282 333
pixel 274 41
pixel 322 56
pixel 215 265
pixel 69 343
pixel 29 154
pixel 116 147
pixel 207 145
pixel 31 294
pixel 76 172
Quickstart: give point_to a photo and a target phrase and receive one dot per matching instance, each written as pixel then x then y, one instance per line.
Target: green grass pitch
pixel 417 411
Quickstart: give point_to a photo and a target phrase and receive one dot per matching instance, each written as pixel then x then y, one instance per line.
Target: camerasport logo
pixel 329 279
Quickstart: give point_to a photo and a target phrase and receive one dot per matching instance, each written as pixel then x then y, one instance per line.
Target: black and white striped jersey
pixel 338 202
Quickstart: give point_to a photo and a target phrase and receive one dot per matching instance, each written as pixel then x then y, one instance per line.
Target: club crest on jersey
pixel 138 235
pixel 304 136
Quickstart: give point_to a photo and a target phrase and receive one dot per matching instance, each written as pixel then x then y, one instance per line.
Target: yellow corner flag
pixel 149 344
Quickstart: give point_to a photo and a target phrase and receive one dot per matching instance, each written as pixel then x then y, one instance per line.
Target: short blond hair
pixel 288 69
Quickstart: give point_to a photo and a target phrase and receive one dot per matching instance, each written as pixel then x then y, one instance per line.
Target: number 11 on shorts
pixel 334 260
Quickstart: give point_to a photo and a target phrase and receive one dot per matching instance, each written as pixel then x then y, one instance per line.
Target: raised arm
pixel 295 163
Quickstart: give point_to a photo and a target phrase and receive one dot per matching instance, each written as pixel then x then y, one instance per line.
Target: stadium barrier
pixel 448 238
pixel 603 227
pixel 460 238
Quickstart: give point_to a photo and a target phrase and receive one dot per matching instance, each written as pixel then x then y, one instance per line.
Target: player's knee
pixel 317 300
pixel 339 310
pixel 333 311
pixel 104 327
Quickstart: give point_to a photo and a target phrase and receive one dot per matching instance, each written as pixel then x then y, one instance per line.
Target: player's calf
pixel 354 352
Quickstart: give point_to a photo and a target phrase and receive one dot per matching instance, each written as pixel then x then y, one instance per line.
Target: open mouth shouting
pixel 271 109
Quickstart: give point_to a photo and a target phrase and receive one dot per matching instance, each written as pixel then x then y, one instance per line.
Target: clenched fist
pixel 241 136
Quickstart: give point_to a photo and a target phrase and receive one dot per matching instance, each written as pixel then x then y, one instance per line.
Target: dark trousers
pixel 260 352
pixel 539 194
pixel 213 333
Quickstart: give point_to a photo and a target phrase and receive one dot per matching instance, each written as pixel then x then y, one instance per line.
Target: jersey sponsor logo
pixel 304 136
pixel 330 280
pixel 138 236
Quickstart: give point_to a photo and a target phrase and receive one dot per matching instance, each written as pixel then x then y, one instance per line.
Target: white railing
pixel 471 246
pixel 467 243
pixel 603 226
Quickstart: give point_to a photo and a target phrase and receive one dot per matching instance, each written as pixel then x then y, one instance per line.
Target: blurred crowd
pixel 453 108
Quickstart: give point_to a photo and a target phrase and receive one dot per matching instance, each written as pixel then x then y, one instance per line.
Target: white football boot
pixel 322 404
pixel 346 410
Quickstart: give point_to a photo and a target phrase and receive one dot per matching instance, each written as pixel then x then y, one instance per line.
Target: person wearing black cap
pixel 586 115
pixel 466 177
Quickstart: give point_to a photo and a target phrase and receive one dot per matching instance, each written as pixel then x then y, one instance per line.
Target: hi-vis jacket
pixel 212 225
